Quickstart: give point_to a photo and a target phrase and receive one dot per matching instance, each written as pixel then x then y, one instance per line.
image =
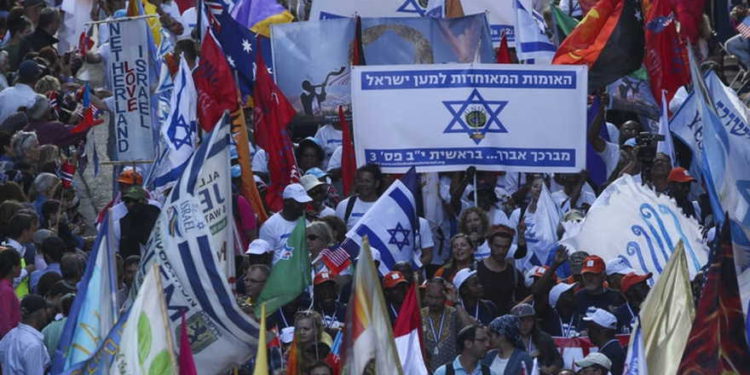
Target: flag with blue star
pixel 179 130
pixel 475 116
pixel 239 45
pixel 413 7
pixel 397 237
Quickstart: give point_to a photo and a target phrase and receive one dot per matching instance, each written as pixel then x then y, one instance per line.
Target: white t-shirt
pixel 276 230
pixel 259 158
pixel 498 365
pixel 360 208
pixel 327 211
pixel 329 138
pixel 334 162
pixel 611 156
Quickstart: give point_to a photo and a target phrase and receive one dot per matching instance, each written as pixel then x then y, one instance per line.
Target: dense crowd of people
pixel 489 303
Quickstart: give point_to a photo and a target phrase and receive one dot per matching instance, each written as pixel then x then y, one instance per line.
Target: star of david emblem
pixel 180 132
pixel 413 6
pixel 475 116
pixel 286 252
pixel 399 231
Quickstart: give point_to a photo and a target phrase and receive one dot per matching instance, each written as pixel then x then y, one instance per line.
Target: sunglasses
pixel 312 237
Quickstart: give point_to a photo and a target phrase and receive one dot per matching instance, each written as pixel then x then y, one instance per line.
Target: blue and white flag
pixel 393 238
pixel 179 133
pixel 326 9
pixel 94 309
pixel 635 362
pixel 532 42
pixel 192 241
pixel 500 16
pixel 667 145
pixel 725 160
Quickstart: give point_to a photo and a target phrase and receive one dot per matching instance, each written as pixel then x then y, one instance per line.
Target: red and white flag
pixel 407 331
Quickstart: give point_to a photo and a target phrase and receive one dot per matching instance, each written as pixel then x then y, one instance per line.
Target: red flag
pixel 272 114
pixel 690 15
pixel 187 363
pixel 84 43
pixel 666 57
pixel 184 5
pixel 214 81
pixel 88 121
pixel 503 53
pixel 717 340
pixel 67 171
pixel 407 332
pixel 348 164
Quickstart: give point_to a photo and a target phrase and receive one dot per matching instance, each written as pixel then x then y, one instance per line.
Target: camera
pixel 647 146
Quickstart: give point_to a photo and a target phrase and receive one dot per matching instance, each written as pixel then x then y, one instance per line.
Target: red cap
pixel 680 174
pixel 322 277
pixel 631 279
pixel 393 278
pixel 593 264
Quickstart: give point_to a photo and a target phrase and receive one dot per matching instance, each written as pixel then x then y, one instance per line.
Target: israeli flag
pixel 179 131
pixel 391 225
pixel 94 310
pixel 532 42
pixel 725 160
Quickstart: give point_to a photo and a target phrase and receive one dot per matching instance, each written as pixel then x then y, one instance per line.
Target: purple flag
pixel 250 12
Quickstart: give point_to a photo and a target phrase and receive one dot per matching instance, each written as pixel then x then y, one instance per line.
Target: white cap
pixel 258 247
pixel 601 318
pixel 557 291
pixel 528 277
pixel 309 182
pixel 287 335
pixel 595 358
pixel 618 266
pixel 296 192
pixel 461 276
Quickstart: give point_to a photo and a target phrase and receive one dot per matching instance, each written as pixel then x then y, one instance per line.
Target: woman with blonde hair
pixel 462 256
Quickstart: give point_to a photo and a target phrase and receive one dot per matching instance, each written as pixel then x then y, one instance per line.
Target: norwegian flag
pixel 744 27
pixel 54 102
pixel 84 43
pixel 67 171
pixel 337 260
pixel 88 119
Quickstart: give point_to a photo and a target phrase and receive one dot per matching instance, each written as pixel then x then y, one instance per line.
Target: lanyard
pixel 566 332
pixel 439 333
pixel 393 309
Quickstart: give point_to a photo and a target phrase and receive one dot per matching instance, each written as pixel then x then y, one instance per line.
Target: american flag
pixel 337 260
pixel 744 27
pixel 238 43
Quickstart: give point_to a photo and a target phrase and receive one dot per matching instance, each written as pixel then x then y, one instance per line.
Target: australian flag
pixel 397 238
pixel 239 45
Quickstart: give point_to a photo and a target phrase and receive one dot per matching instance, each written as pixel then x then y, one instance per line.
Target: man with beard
pixel 136 225
pixel 325 298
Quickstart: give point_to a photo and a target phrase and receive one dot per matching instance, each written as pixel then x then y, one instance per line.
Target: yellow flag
pixel 261 358
pixel 667 316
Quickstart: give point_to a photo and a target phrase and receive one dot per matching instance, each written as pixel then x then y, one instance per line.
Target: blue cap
pixel 236 171
pixel 317 172
pixel 630 142
pixel 29 70
pixel 233 152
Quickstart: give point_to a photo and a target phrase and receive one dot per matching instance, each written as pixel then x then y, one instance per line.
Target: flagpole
pixel 199 24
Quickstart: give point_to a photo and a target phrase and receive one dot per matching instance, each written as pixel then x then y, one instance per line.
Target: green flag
pixel 564 23
pixel 289 277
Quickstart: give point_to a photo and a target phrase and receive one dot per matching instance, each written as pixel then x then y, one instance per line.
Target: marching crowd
pixel 489 303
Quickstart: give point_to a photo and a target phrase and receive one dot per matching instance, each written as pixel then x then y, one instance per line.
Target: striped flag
pixel 532 42
pixel 408 335
pixel 744 27
pixel 368 339
pixel 393 238
pixel 337 260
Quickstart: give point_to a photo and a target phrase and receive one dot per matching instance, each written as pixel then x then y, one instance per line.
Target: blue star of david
pixel 178 123
pixel 395 232
pixel 473 108
pixel 411 6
